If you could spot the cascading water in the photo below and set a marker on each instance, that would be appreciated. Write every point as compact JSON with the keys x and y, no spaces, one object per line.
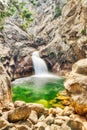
{"x":42,"y":87}
{"x":42,"y":76}
{"x":39,"y":64}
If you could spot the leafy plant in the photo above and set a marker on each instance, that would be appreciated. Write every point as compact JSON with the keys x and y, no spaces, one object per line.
{"x":51,"y":55}
{"x":19,"y":9}
{"x":34,"y":2}
{"x":83,"y":32}
{"x":57,"y":12}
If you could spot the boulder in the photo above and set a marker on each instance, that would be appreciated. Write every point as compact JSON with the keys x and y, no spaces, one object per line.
{"x":19,"y":113}
{"x":49,"y":120}
{"x":39,"y":108}
{"x":22,"y":127}
{"x":76,"y":86}
{"x":33,"y":117}
{"x":75,"y":125}
{"x":3,"y":123}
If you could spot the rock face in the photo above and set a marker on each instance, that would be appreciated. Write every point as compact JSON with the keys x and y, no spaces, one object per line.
{"x":17,"y":47}
{"x":5,"y":88}
{"x":76,"y":85}
{"x":67,"y":44}
{"x":59,"y":32}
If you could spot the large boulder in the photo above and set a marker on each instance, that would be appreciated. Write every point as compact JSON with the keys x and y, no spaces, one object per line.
{"x":5,"y":88}
{"x":19,"y":113}
{"x":76,"y":86}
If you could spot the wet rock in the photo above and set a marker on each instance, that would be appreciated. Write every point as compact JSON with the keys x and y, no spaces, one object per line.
{"x":19,"y":113}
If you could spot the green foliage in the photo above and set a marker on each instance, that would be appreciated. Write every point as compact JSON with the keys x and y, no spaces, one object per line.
{"x":30,"y":93}
{"x":2,"y":16}
{"x":51,"y":55}
{"x":34,"y":2}
{"x":57,"y":12}
{"x":1,"y":27}
{"x":19,"y":9}
{"x":10,"y":10}
{"x":83,"y":32}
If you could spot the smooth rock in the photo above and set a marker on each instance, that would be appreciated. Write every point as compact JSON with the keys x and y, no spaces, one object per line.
{"x":75,"y":125}
{"x":58,"y":122}
{"x":19,"y":103}
{"x":65,"y":127}
{"x":55,"y":127}
{"x":22,"y":127}
{"x":19,"y":113}
{"x":33,"y":117}
{"x":3,"y":123}
{"x":42,"y":118}
{"x":39,"y":108}
{"x":40,"y":125}
{"x":49,"y":120}
{"x":76,"y":86}
{"x":80,"y":67}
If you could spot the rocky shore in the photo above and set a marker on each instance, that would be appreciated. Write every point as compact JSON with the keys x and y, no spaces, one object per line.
{"x":30,"y":116}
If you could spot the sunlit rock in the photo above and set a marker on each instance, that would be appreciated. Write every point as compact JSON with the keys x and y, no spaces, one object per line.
{"x":33,"y":117}
{"x":5,"y":88}
{"x":76,"y":86}
{"x":3,"y":123}
{"x":19,"y":113}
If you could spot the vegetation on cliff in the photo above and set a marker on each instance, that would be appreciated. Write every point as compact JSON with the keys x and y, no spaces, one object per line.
{"x":19,"y":11}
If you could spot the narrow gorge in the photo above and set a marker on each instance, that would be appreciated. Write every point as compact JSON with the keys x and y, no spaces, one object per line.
{"x":43,"y":65}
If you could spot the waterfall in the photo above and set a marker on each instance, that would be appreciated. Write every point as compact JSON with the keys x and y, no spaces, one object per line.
{"x":39,"y":64}
{"x":41,"y":77}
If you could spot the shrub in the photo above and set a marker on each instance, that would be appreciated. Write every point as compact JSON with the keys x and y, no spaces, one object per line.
{"x":83,"y":32}
{"x":57,"y":12}
{"x":19,"y":9}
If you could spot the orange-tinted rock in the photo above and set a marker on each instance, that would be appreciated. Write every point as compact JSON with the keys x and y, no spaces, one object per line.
{"x":5,"y":88}
{"x":20,"y":113}
{"x":76,"y":86}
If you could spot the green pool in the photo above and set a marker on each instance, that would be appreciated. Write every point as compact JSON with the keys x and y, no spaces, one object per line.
{"x":37,"y":89}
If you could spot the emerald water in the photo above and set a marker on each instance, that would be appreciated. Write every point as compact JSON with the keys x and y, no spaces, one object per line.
{"x":41,"y":88}
{"x":37,"y":89}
